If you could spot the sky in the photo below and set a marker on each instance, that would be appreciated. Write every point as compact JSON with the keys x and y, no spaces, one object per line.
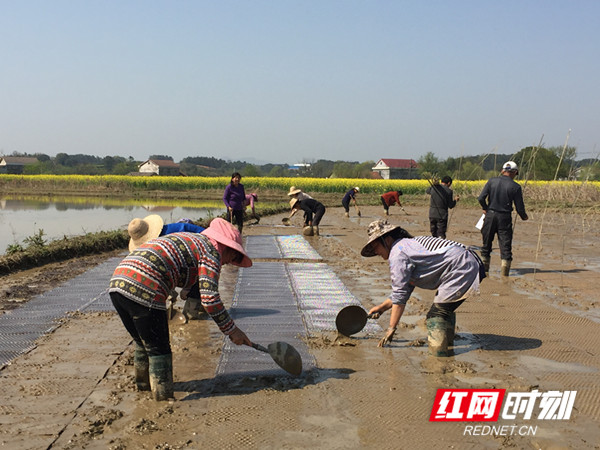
{"x":283,"y":81}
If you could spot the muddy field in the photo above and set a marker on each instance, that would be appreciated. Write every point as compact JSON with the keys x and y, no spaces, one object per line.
{"x":537,"y":330}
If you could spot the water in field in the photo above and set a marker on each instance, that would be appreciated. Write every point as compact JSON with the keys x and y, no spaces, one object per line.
{"x":21,"y":217}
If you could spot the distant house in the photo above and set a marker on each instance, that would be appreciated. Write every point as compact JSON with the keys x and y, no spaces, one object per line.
{"x":15,"y":164}
{"x":394,"y":169}
{"x":162,"y":167}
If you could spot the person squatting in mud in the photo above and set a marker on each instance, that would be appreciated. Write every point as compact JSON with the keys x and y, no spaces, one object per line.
{"x":313,"y":213}
{"x":142,"y":282}
{"x":426,"y":262}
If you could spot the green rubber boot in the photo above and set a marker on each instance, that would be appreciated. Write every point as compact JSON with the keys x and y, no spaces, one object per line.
{"x":505,"y":267}
{"x":141,"y":368}
{"x":161,"y":376}
{"x":451,"y":329}
{"x":437,"y":337}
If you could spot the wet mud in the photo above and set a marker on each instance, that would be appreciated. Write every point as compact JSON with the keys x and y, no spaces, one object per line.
{"x":537,"y":329}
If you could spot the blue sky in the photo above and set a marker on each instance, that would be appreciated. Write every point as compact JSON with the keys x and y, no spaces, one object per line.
{"x":296,"y":81}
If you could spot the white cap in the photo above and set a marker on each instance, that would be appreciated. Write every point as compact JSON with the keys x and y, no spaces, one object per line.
{"x":356,"y":189}
{"x":510,"y":166}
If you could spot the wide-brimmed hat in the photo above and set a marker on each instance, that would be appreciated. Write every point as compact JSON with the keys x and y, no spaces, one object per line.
{"x":357,"y":189}
{"x":510,"y":166}
{"x":294,"y":190}
{"x":142,"y":230}
{"x":225,"y":233}
{"x":377,"y":229}
{"x":293,"y":202}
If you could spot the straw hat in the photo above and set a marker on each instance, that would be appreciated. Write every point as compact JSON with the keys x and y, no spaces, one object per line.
{"x":294,"y":190}
{"x":293,"y":202}
{"x":225,"y":233}
{"x":142,"y":230}
{"x":377,"y":229}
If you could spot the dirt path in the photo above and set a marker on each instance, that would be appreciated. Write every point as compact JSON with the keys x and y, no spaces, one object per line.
{"x":538,"y":329}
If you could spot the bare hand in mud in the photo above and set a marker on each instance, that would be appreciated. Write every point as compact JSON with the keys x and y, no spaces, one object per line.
{"x":389,"y":334}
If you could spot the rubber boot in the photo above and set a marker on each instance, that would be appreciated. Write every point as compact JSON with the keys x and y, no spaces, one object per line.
{"x":505,"y":267}
{"x":347,"y":214}
{"x":387,"y":212}
{"x":486,"y":263}
{"x":451,"y":329}
{"x":437,"y":337}
{"x":316,"y":230}
{"x":141,"y":368}
{"x":308,"y":231}
{"x":161,"y":376}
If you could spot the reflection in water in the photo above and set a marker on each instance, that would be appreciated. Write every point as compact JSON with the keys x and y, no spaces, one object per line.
{"x":58,"y":217}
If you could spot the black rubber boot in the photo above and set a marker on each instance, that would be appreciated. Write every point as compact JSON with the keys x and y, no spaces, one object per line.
{"x":451,"y":329}
{"x":141,"y":368}
{"x":161,"y":376}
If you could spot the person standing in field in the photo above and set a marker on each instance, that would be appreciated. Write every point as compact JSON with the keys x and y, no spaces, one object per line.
{"x":497,"y":199}
{"x":234,"y":198}
{"x":442,"y":199}
{"x":389,"y":199}
{"x":350,"y":196}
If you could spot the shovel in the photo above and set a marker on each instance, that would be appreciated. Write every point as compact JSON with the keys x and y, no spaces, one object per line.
{"x":352,"y":319}
{"x":286,"y":356}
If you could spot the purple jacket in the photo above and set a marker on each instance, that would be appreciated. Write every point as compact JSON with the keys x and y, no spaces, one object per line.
{"x":234,"y":197}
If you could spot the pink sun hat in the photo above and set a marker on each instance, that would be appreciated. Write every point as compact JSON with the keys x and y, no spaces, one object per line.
{"x":225,"y":233}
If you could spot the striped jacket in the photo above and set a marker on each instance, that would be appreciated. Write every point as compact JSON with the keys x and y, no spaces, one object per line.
{"x":432,"y":263}
{"x":149,"y":273}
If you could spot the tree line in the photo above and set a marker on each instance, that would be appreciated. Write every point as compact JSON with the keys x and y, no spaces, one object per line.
{"x":535,"y":163}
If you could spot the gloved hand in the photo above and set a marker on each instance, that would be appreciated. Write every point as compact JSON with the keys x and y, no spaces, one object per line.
{"x":389,"y":334}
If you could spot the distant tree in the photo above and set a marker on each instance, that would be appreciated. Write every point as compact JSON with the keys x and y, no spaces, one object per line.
{"x":430,"y":166}
{"x":322,"y":168}
{"x":538,"y":163}
{"x":164,"y":157}
{"x":251,"y":171}
{"x":278,"y":172}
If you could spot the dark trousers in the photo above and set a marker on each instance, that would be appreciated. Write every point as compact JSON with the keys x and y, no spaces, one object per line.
{"x":385,"y":205}
{"x":438,"y":227}
{"x":318,"y":215}
{"x":238,"y":215}
{"x":443,"y":310}
{"x":500,"y":224}
{"x":147,"y":326}
{"x":346,"y":205}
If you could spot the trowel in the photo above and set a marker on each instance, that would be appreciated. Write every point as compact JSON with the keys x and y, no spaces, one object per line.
{"x":352,"y":319}
{"x":286,"y":356}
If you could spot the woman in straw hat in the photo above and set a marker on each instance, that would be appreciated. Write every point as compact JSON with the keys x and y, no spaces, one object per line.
{"x":297,"y":193}
{"x":447,"y":267}
{"x":142,"y":282}
{"x":313,"y":213}
{"x":152,"y":226}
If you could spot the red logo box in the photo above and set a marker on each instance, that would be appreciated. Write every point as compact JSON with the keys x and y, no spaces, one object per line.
{"x":467,"y":405}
